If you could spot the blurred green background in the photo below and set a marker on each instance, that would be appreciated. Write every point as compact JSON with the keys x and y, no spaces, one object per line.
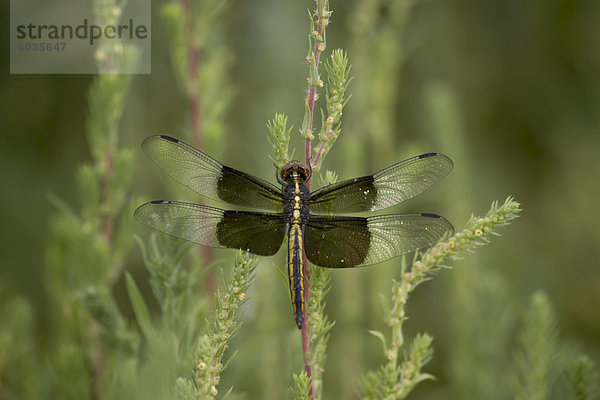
{"x":509,"y":90}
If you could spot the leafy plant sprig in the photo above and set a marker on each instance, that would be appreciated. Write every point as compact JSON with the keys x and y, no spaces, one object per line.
{"x":582,"y":379}
{"x":395,"y":380}
{"x":338,"y":78}
{"x":212,"y":346}
{"x":88,"y":243}
{"x":279,"y":137}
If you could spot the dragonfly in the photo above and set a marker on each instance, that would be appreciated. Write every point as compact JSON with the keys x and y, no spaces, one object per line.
{"x":308,"y":219}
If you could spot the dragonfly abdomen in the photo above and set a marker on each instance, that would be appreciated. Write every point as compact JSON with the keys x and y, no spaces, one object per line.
{"x":296,"y":271}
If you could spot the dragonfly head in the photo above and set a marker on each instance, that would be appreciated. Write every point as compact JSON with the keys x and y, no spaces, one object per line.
{"x":302,"y":172}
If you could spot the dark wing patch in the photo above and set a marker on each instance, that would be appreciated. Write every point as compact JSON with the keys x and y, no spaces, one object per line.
{"x":209,"y":177}
{"x":347,"y":242}
{"x":258,"y":233}
{"x":337,"y":242}
{"x":383,"y":189}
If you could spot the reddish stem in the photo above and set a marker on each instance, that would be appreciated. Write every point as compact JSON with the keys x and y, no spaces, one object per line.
{"x":304,"y":331}
{"x":318,"y":154}
{"x":311,"y":102}
{"x":194,"y":98}
{"x":311,"y":95}
{"x":311,"y":105}
{"x":195,"y":106}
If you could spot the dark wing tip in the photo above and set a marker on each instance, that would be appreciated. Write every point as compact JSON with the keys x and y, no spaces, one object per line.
{"x":427,"y":155}
{"x":153,"y":138}
{"x":430,"y":215}
{"x":169,"y":138}
{"x":159,"y":202}
{"x":447,"y":159}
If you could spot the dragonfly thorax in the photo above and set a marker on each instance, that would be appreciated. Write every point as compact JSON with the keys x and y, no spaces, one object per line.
{"x":295,"y":170}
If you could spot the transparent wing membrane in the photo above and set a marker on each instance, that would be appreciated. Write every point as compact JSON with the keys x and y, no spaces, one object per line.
{"x":210,"y":178}
{"x":383,"y":189}
{"x":258,"y":233}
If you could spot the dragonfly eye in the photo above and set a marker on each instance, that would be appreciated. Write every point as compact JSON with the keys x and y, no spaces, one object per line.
{"x":305,"y":175}
{"x":285,"y":172}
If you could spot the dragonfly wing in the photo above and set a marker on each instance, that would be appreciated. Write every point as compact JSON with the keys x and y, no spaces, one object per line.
{"x":347,"y":242}
{"x":383,"y":189}
{"x":209,"y":177}
{"x":257,"y":233}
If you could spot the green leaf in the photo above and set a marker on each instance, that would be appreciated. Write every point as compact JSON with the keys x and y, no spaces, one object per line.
{"x":139,"y":306}
{"x":304,"y":131}
{"x":302,"y":386}
{"x":381,"y":337}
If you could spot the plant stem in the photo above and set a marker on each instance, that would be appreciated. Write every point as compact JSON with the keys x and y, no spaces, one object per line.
{"x":311,"y":107}
{"x":318,"y":154}
{"x":304,"y":331}
{"x":192,"y":64}
{"x":322,"y":13}
{"x":312,"y":91}
{"x":195,"y":108}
